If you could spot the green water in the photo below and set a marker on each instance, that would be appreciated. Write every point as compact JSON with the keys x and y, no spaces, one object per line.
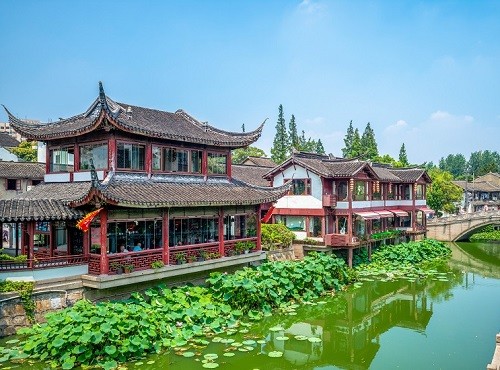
{"x":446,"y":323}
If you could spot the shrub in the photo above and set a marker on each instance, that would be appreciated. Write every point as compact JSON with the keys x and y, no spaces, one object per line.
{"x":276,"y":236}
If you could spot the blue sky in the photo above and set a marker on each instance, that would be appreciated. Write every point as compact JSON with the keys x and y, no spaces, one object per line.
{"x":425,"y":73}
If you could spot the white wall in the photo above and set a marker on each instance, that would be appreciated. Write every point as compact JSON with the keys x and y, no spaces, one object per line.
{"x":300,"y":173}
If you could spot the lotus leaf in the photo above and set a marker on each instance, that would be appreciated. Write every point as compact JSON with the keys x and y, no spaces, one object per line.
{"x":275,"y":354}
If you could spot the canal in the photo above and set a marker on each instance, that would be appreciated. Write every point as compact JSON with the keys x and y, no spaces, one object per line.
{"x":445,"y":322}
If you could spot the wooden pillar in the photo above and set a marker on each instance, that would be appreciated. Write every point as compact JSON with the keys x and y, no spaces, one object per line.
{"x":103,"y":219}
{"x":16,"y":237}
{"x":86,"y":243}
{"x":31,"y":243}
{"x":221,"y":231}
{"x":112,"y":153}
{"x":165,"y":254}
{"x":228,"y":165}
{"x":259,"y":228}
{"x":349,"y":256}
{"x":51,"y":239}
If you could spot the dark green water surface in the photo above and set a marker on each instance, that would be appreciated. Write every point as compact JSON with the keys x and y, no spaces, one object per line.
{"x":445,"y":323}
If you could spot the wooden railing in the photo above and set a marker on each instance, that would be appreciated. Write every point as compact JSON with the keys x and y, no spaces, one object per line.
{"x":43,"y":263}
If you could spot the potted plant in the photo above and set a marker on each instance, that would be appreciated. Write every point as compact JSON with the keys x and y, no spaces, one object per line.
{"x":95,"y":248}
{"x":128,"y":268}
{"x":239,"y":247}
{"x":204,"y":255}
{"x":180,"y":258}
{"x":157,"y":264}
{"x":116,"y":267}
{"x":191,"y":258}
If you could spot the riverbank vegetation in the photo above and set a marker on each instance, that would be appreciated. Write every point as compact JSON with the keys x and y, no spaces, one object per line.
{"x":486,"y":234}
{"x":109,"y":333}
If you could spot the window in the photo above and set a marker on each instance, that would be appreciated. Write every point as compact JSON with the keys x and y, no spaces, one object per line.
{"x":13,"y":184}
{"x":240,"y":226}
{"x":187,"y":231}
{"x":294,"y":223}
{"x":342,"y":190}
{"x":176,"y":160}
{"x":131,"y":156}
{"x":97,"y":152}
{"x":62,"y":159}
{"x":300,"y":187}
{"x":130,"y":233}
{"x":419,"y":191}
{"x":217,"y":163}
{"x":359,"y":190}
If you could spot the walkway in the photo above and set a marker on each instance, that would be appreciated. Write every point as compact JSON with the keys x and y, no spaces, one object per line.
{"x":458,"y":227}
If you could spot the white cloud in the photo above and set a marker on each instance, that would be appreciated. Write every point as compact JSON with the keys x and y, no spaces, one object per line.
{"x":317,"y":121}
{"x":445,"y":117}
{"x":310,"y":7}
{"x":399,"y":125}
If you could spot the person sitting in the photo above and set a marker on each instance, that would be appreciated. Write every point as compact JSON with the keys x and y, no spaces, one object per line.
{"x":137,"y":247}
{"x":123,"y":249}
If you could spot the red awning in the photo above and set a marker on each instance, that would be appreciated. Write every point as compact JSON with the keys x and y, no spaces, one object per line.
{"x":385,"y":214}
{"x":368,"y":215}
{"x":399,"y":212}
{"x":426,"y":210}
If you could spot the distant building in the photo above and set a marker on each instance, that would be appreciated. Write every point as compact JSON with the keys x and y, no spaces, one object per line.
{"x":19,"y":177}
{"x":481,"y":194}
{"x":259,"y":162}
{"x":7,"y":143}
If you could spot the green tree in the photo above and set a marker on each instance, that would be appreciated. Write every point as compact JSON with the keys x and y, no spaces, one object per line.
{"x":456,"y":164}
{"x":240,"y":154}
{"x":25,"y":151}
{"x":356,"y":149}
{"x":403,"y":158}
{"x":293,"y":136}
{"x":369,"y":149}
{"x":387,"y":159}
{"x":280,"y":146}
{"x":319,"y":147}
{"x":348,"y":140}
{"x":442,"y":194}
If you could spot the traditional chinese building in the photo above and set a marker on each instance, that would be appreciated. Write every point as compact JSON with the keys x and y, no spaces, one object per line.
{"x":348,"y":203}
{"x":162,"y":182}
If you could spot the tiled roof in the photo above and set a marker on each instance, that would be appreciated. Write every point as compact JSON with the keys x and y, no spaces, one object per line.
{"x":259,"y":161}
{"x":178,"y":126}
{"x":250,"y":174}
{"x":66,"y":192}
{"x":18,"y":209}
{"x":408,"y":174}
{"x":486,"y":187}
{"x":22,"y":170}
{"x":329,"y":167}
{"x":7,"y":141}
{"x":181,"y":191}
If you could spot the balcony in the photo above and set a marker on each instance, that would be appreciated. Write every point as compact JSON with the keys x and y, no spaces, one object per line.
{"x":340,"y":240}
{"x":329,"y":200}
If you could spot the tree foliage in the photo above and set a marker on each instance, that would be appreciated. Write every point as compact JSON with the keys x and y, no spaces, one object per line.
{"x":369,"y":148}
{"x":280,"y":148}
{"x":348,"y":140}
{"x":442,"y":194}
{"x":240,"y":154}
{"x":456,"y":164}
{"x":25,"y":151}
{"x":293,"y":136}
{"x":403,"y":158}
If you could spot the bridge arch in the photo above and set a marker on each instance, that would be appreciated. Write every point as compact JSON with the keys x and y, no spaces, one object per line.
{"x":460,"y":227}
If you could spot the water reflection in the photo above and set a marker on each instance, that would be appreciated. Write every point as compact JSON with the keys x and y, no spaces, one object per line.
{"x":481,"y":258}
{"x":351,"y":323}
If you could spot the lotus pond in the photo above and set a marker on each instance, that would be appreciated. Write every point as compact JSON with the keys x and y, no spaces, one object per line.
{"x":447,"y":320}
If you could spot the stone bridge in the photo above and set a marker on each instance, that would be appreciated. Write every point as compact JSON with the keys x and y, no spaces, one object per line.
{"x":460,"y":227}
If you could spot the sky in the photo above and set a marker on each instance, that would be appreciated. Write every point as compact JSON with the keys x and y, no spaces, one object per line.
{"x":423,"y":73}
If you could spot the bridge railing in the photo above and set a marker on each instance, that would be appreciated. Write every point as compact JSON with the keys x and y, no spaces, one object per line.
{"x":465,"y":216}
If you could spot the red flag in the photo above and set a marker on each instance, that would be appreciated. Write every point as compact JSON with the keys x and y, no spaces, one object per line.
{"x":84,"y":223}
{"x":268,"y":215}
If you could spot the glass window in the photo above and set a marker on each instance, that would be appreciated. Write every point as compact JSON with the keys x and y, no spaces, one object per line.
{"x":359,"y":190}
{"x":13,"y":184}
{"x":342,"y":190}
{"x":131,"y":156}
{"x":217,"y":163}
{"x":301,"y":187}
{"x":156,"y":158}
{"x":97,"y":152}
{"x":420,"y":191}
{"x":187,"y":231}
{"x":130,"y":233}
{"x":294,"y":223}
{"x":62,"y":159}
{"x":196,"y":156}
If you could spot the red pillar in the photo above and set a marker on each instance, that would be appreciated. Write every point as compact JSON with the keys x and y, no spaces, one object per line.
{"x":86,"y":243}
{"x":165,"y":254}
{"x":104,"y":265}
{"x":221,"y":231}
{"x":259,"y":228}
{"x":31,"y":241}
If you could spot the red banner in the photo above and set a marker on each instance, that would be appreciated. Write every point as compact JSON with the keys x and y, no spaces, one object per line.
{"x":268,"y":215}
{"x":84,"y":223}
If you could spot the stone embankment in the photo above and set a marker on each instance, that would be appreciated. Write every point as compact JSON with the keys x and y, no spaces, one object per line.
{"x":495,"y":362}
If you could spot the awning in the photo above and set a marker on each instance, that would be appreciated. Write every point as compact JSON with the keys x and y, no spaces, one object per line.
{"x":426,"y":210}
{"x":385,"y":214}
{"x":368,"y":215}
{"x":399,"y":212}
